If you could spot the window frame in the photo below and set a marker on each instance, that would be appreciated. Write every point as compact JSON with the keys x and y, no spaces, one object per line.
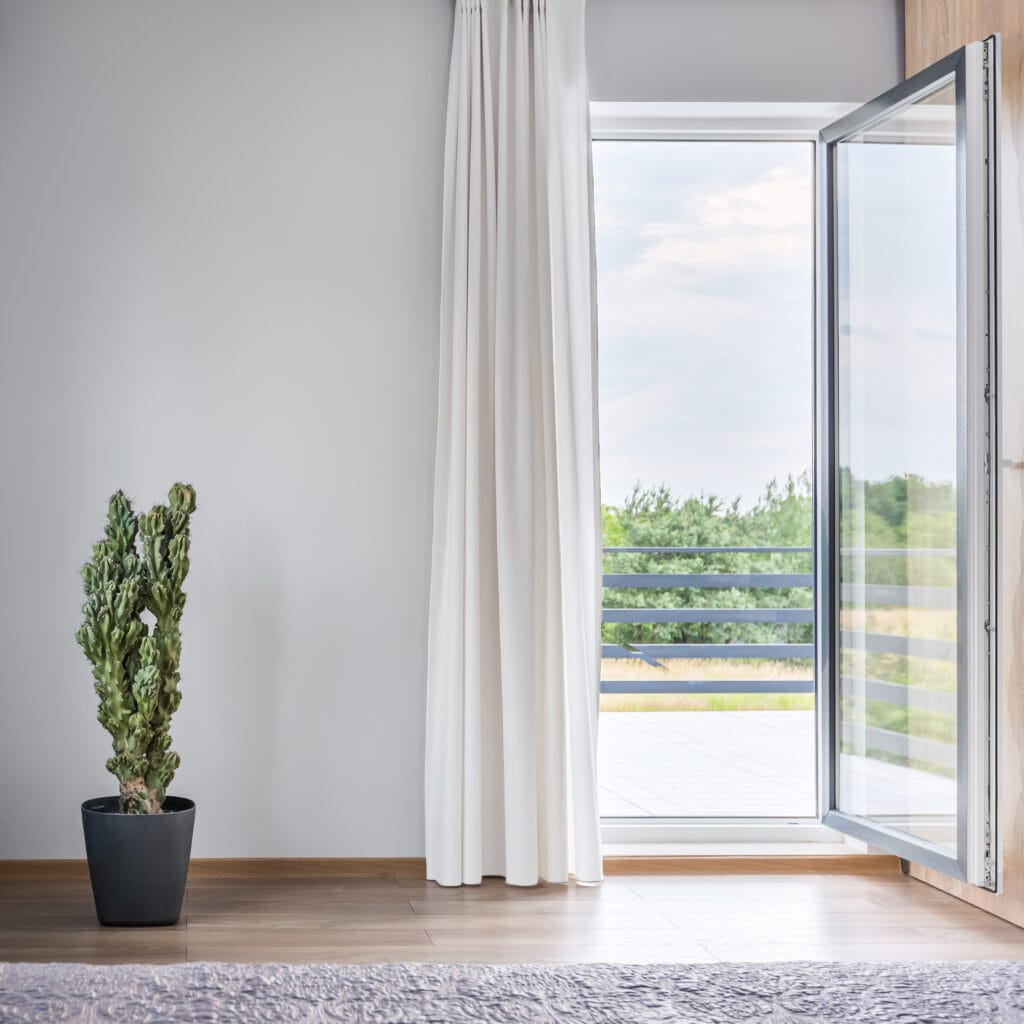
{"x":729,"y":122}
{"x":977,"y":860}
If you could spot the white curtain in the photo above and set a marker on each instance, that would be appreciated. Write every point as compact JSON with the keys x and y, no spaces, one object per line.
{"x":515,"y":596}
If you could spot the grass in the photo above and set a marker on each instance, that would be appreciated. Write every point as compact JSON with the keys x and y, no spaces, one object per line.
{"x":706,"y":668}
{"x":925,"y":623}
{"x":932,"y":725}
{"x":931,"y":623}
{"x":707,"y":701}
{"x":906,"y":762}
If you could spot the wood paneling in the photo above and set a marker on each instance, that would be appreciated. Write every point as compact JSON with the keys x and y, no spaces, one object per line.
{"x":639,"y":918}
{"x":934,"y":28}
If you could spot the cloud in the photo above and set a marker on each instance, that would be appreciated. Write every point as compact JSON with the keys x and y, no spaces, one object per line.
{"x":705,"y":259}
{"x":705,"y":291}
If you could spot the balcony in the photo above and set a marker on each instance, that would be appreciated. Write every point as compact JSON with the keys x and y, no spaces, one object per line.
{"x":708,"y":683}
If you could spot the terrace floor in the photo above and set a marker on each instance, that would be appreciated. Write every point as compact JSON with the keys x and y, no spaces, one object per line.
{"x":760,"y":764}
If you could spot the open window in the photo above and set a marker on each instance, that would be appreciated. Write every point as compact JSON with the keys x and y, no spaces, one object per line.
{"x":905,"y":513}
{"x":728,"y":629}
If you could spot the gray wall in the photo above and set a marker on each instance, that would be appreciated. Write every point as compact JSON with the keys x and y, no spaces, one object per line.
{"x":766,"y":50}
{"x":219,"y":234}
{"x":219,"y":231}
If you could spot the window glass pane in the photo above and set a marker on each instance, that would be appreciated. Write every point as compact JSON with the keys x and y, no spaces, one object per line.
{"x":897,"y":455}
{"x":705,"y":294}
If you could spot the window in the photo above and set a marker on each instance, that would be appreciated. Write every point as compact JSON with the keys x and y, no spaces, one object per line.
{"x":909,"y":505}
{"x":706,"y":254}
{"x":716,"y":654}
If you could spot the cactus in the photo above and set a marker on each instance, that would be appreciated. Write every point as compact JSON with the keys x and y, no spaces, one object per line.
{"x":136,"y":671}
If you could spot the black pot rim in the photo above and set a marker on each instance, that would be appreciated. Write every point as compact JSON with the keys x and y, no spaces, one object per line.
{"x":112,"y":805}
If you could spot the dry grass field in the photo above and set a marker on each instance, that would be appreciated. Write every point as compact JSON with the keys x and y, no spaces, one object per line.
{"x":925,"y":623}
{"x":705,"y":668}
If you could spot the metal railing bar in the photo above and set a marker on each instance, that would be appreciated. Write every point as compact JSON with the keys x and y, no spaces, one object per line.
{"x":769,"y":651}
{"x":706,"y":551}
{"x":708,"y":686}
{"x":898,"y":596}
{"x":802,"y":616}
{"x":907,"y":646}
{"x":708,"y":580}
{"x":900,"y":552}
{"x":713,"y":550}
{"x":919,"y":697}
{"x":901,"y":744}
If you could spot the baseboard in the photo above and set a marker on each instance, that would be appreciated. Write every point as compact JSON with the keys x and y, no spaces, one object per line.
{"x":415,"y":867}
{"x":308,"y":867}
{"x":238,"y":867}
{"x":43,"y":870}
{"x":740,"y":864}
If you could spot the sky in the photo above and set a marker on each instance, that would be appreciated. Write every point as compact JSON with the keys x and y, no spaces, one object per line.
{"x":897,"y":311}
{"x":705,"y":257}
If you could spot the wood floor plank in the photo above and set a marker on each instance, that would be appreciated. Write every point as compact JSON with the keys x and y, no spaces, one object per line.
{"x":321,"y":919}
{"x":97,"y":937}
{"x":871,"y":953}
{"x":1001,"y":931}
{"x":571,"y":893}
{"x":100,"y":946}
{"x":565,"y":953}
{"x":823,"y":934}
{"x":386,"y":885}
{"x":341,"y":938}
{"x":305,"y":954}
{"x":561,"y":924}
{"x":646,"y":918}
{"x":750,"y":918}
{"x":78,"y":955}
{"x":536,"y":909}
{"x":636,"y":938}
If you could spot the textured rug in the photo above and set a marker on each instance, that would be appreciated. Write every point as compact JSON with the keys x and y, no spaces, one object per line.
{"x":861,"y":993}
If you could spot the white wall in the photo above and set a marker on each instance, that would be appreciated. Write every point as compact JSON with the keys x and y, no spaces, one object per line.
{"x":219,"y":231}
{"x":219,"y":235}
{"x":768,"y":50}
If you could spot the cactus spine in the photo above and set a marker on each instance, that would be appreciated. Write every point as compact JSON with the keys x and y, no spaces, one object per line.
{"x":136,"y":671}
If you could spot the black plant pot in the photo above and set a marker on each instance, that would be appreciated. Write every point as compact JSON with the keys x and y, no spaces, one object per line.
{"x":138,"y":863}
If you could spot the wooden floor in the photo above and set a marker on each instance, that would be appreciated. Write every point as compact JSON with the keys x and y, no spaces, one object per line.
{"x":694,"y":917}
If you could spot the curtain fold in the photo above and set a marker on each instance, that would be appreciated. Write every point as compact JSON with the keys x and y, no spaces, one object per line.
{"x":514,"y":649}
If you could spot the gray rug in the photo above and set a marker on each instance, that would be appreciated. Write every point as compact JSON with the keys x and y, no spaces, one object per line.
{"x":862,"y":993}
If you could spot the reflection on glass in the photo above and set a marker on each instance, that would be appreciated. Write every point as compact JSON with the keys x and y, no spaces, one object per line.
{"x":896,"y":427}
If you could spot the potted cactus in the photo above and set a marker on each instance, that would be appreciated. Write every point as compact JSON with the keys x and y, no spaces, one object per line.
{"x":138,"y":842}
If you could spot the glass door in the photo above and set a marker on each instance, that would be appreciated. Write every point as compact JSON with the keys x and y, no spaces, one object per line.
{"x":906,"y":525}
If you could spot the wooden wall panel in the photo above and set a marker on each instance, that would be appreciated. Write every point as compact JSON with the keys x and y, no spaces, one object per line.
{"x":934,"y":28}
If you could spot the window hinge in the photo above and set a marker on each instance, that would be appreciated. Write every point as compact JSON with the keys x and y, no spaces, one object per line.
{"x":988,"y":861}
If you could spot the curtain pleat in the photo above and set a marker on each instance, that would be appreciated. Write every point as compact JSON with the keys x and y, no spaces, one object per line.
{"x":514,"y":649}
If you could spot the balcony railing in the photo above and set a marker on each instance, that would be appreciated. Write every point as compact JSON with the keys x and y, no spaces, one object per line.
{"x":900,"y":695}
